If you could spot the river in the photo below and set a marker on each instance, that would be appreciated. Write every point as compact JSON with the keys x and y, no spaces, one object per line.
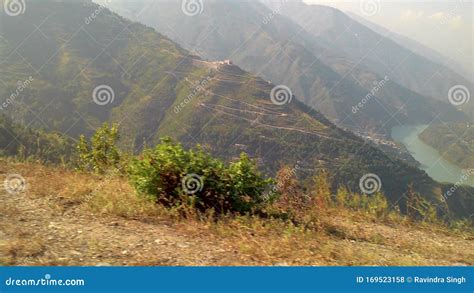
{"x":437,"y":168}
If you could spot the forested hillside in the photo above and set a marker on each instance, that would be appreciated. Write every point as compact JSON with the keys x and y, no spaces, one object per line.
{"x":454,"y":141}
{"x":268,"y":42}
{"x":93,"y":66}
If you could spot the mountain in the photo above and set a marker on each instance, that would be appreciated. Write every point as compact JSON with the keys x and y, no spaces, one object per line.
{"x":70,"y":66}
{"x":418,"y":48}
{"x":454,"y":141}
{"x":23,"y":142}
{"x":346,"y":37}
{"x":275,"y":47}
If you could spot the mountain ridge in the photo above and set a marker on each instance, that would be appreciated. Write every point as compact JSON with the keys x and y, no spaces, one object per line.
{"x":386,"y":56}
{"x":149,"y":77}
{"x":415,"y":46}
{"x":281,"y":51}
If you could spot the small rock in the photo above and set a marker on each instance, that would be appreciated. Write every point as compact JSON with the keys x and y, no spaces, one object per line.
{"x":182,"y":245}
{"x":103,"y":264}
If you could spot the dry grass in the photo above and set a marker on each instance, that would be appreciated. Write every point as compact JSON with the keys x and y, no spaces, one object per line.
{"x":69,"y":218}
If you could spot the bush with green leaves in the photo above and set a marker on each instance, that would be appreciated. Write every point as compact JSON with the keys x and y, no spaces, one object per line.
{"x":175,"y":176}
{"x":34,"y":145}
{"x":419,"y":208}
{"x":101,"y":152}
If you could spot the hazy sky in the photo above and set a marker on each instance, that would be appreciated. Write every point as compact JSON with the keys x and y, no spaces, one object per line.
{"x":444,"y":25}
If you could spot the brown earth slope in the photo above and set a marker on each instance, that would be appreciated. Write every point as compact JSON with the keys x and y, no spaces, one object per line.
{"x":67,"y":218}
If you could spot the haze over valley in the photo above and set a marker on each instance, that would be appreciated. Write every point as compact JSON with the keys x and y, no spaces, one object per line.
{"x":278,"y":111}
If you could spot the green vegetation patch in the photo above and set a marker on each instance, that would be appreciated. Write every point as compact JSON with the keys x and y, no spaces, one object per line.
{"x":454,"y":141}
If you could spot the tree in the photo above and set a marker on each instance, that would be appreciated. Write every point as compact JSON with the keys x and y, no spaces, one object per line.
{"x":322,"y":196}
{"x":418,"y":207}
{"x":101,"y":152}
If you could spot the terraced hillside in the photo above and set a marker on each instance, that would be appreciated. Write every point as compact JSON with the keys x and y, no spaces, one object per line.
{"x":89,"y":65}
{"x":344,"y":87}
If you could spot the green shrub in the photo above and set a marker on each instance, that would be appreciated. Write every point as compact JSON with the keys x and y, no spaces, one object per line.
{"x":322,"y":191}
{"x":33,"y":145}
{"x":100,"y":153}
{"x":176,"y":176}
{"x":377,"y":205}
{"x":419,"y":208}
